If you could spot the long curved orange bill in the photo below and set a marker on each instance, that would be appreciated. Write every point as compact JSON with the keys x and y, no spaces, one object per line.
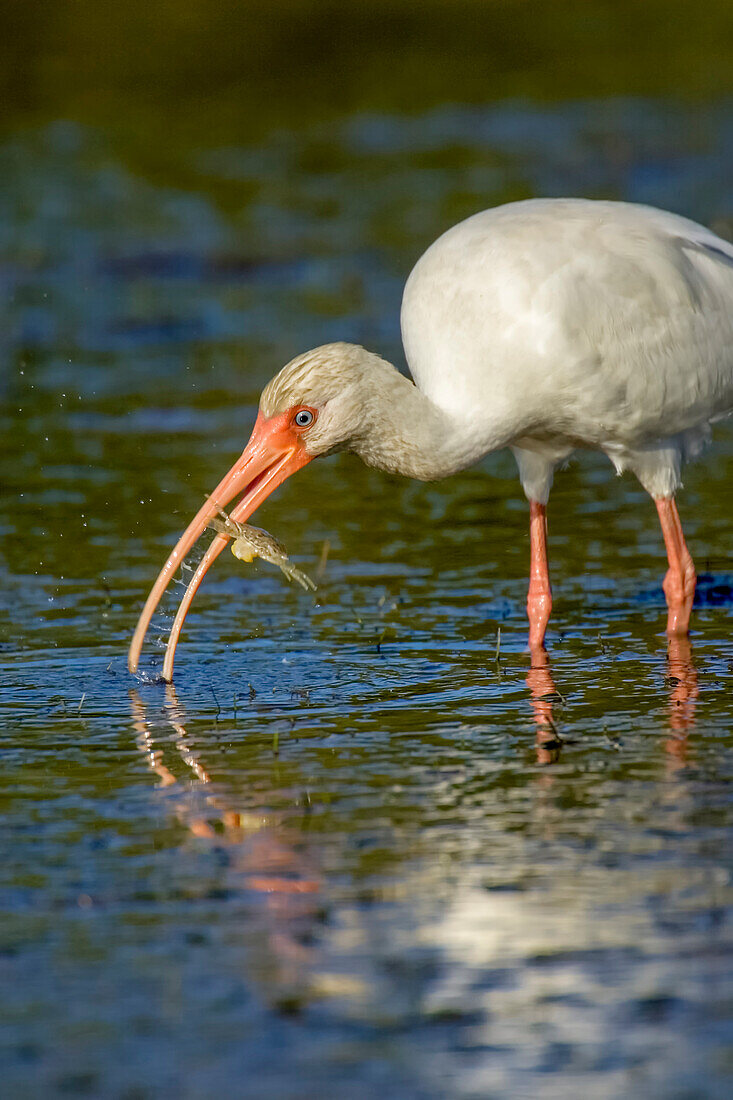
{"x":273,"y":453}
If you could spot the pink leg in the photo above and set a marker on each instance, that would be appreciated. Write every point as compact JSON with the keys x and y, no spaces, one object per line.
{"x":539,"y":597}
{"x":679,"y":583}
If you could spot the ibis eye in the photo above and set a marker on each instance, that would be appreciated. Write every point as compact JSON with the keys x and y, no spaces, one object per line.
{"x":304,"y":418}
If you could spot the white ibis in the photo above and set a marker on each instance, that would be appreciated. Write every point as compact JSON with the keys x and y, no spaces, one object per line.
{"x":544,"y":326}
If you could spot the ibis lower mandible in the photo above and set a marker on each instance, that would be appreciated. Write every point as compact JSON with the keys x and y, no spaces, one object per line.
{"x":544,"y":326}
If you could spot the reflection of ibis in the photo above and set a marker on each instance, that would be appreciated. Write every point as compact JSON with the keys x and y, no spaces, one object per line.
{"x":543,"y":326}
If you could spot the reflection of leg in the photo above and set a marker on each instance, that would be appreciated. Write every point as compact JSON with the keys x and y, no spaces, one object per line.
{"x":539,"y":597}
{"x":542,"y":688}
{"x":682,"y":679}
{"x":679,"y":583}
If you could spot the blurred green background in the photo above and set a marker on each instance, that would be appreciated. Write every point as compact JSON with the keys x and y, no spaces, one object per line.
{"x":160,"y":75}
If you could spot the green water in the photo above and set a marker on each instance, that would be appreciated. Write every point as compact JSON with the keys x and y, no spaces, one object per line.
{"x":355,"y":853}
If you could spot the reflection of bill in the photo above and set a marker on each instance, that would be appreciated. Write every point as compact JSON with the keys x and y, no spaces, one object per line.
{"x":267,"y":856}
{"x":681,"y":678}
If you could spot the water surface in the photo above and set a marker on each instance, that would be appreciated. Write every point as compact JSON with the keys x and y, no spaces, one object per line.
{"x":360,"y":849}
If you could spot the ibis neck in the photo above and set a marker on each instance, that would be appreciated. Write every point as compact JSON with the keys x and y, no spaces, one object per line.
{"x":407,"y":433}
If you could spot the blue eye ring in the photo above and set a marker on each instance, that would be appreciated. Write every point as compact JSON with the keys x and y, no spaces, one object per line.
{"x":303,"y":418}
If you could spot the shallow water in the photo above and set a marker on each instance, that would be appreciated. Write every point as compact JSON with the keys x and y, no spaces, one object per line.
{"x":362,"y":848}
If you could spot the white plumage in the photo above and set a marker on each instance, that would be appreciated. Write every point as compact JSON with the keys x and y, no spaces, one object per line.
{"x":544,"y":326}
{"x":563,"y":323}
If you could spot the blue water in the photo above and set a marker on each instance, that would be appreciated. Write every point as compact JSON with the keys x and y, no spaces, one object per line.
{"x":355,"y":853}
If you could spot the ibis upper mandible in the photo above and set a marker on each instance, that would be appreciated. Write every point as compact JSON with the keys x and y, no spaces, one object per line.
{"x":544,"y":326}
